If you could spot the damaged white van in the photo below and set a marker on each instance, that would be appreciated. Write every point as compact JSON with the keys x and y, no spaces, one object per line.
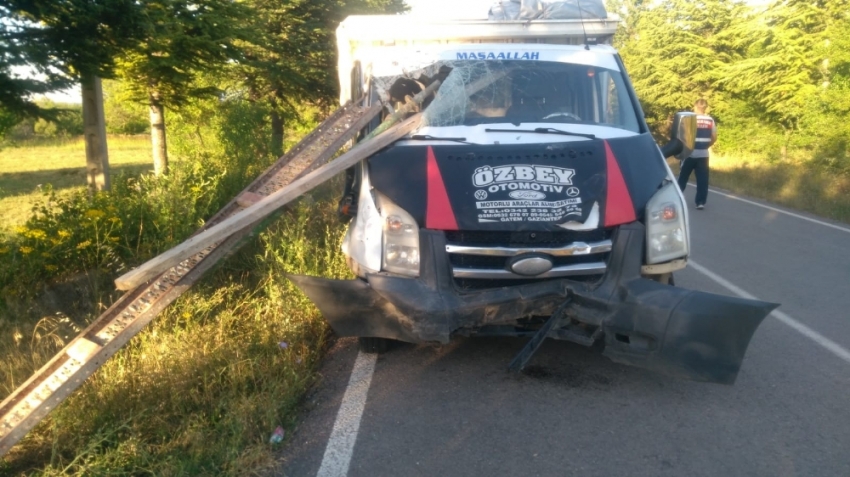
{"x":533,"y":201}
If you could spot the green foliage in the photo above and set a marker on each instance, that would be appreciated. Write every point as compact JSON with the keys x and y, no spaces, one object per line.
{"x":182,"y":40}
{"x":783,"y":53}
{"x":224,"y":365}
{"x":63,"y":41}
{"x":108,"y":232}
{"x":68,"y":122}
{"x":221,"y":147}
{"x":8,"y":120}
{"x":292,"y":59}
{"x":674,"y":52}
{"x":123,"y":116}
{"x":59,"y":121}
{"x":776,"y":78}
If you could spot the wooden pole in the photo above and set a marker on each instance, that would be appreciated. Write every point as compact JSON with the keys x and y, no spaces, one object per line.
{"x":94,"y":129}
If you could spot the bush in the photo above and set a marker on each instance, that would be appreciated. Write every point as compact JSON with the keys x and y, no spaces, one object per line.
{"x":219,"y":148}
{"x":123,"y":116}
{"x":8,"y":120}
{"x":107,"y":232}
{"x":201,"y":388}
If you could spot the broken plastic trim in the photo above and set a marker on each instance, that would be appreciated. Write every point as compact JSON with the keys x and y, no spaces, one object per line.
{"x":671,"y":330}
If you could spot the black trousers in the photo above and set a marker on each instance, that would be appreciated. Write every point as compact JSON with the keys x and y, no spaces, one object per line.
{"x":700,"y":165}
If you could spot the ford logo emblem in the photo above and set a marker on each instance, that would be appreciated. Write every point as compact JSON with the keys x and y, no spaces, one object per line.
{"x":527,"y":194}
{"x":530,"y":265}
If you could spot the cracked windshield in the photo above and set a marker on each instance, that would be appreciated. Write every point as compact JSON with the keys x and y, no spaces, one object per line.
{"x":486,"y":92}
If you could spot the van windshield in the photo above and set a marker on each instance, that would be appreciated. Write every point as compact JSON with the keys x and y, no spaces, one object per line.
{"x":481,"y":92}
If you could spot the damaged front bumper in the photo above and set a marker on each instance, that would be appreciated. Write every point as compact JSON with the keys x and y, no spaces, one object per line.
{"x":680,"y":332}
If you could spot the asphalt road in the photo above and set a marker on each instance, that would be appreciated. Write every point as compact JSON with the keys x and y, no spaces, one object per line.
{"x":456,"y":411}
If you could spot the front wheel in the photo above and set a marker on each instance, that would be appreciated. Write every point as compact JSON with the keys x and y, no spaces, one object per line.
{"x":369,"y":344}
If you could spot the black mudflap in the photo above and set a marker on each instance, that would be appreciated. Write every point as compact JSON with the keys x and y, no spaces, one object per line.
{"x":684,"y":333}
{"x":352,"y":308}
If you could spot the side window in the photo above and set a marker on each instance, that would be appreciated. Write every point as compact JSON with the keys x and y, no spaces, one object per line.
{"x":614,"y":102}
{"x":610,"y":100}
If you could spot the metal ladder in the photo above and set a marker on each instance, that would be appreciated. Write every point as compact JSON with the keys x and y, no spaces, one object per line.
{"x":64,"y":373}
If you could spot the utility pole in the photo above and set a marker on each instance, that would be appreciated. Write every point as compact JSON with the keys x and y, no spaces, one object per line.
{"x":97,"y":157}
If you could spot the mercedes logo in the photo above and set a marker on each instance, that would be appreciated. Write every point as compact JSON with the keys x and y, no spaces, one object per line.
{"x":573,"y":191}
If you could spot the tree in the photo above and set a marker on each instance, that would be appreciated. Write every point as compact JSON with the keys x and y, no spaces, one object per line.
{"x":293,"y":59}
{"x":63,"y":41}
{"x":676,"y":52}
{"x":786,"y":61}
{"x":184,"y":38}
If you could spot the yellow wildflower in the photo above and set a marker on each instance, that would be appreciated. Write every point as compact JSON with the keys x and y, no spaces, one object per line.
{"x":83,"y":244}
{"x":37,"y":234}
{"x":64,"y":233}
{"x":94,"y":214}
{"x":25,"y":250}
{"x":51,"y":268}
{"x":4,"y":249}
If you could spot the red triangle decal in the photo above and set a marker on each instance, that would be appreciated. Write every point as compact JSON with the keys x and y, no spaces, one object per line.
{"x":438,"y":214}
{"x":619,"y":208}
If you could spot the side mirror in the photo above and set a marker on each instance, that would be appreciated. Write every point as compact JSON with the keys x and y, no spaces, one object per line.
{"x":683,"y":136}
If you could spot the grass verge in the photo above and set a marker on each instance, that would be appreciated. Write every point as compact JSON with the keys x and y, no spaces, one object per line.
{"x":29,"y":166}
{"x":796,"y":184}
{"x":200,"y":390}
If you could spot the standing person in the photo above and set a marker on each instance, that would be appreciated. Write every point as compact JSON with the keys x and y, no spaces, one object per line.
{"x":698,"y":160}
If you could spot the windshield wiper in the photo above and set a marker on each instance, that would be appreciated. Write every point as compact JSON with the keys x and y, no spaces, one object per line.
{"x":426,"y":137}
{"x":544,"y":131}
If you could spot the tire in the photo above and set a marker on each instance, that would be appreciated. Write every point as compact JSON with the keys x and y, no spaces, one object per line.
{"x":374,"y":345}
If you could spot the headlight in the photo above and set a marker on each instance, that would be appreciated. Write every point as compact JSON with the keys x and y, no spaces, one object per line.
{"x":401,"y":238}
{"x":666,"y":232}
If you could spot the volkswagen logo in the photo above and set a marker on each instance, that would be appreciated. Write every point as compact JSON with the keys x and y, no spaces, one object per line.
{"x":480,"y":194}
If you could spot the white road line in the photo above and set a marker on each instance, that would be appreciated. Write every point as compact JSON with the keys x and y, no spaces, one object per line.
{"x":341,"y":443}
{"x":792,"y":214}
{"x":804,"y":330}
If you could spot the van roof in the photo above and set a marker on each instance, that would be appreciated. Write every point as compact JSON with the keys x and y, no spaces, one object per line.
{"x":407,"y":29}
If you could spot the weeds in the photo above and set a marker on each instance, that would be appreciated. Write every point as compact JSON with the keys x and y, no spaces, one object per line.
{"x":107,"y":232}
{"x":31,"y":166}
{"x":199,"y":391}
{"x":813,"y":185}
